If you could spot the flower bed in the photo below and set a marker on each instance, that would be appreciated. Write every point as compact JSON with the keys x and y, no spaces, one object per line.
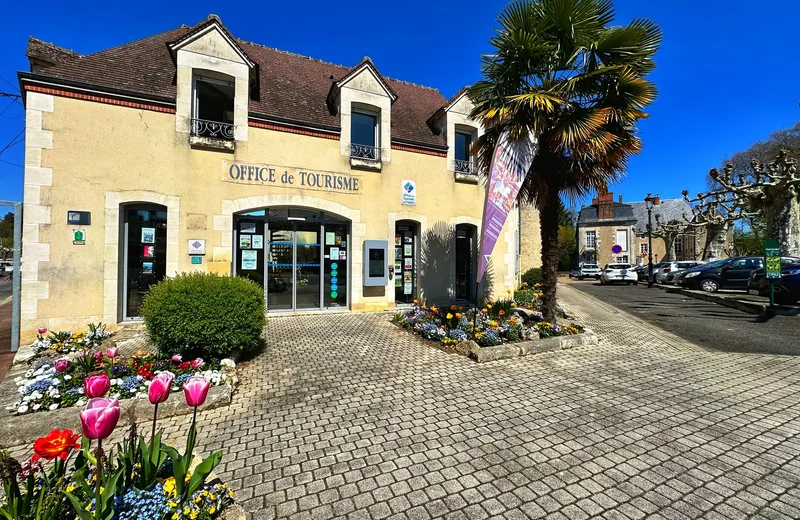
{"x":139,"y":478}
{"x":500,"y":322}
{"x":85,"y":373}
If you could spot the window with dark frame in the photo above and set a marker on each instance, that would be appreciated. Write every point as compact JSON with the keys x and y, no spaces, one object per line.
{"x":213,"y":108}
{"x":364,"y":136}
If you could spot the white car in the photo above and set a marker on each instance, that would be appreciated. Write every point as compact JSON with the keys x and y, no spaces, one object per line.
{"x":588,"y":270}
{"x":619,"y":273}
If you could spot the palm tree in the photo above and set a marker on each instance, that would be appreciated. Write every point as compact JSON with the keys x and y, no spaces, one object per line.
{"x":560,"y":72}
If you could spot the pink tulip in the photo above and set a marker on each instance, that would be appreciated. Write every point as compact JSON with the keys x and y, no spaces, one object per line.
{"x":160,"y":387}
{"x":96,"y":385}
{"x":98,"y":356}
{"x":99,"y":418}
{"x":112,"y":352}
{"x":197,"y":363}
{"x":61,"y":365}
{"x":177,"y":358}
{"x":196,"y":390}
{"x":42,"y":331}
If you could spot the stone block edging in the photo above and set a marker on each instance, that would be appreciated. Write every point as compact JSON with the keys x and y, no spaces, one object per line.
{"x":527,"y":348}
{"x":17,"y":430}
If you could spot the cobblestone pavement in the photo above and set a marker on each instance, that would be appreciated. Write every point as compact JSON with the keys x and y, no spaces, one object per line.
{"x":347,"y":416}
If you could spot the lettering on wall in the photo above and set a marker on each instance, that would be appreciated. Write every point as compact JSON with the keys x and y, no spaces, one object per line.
{"x":262,"y":174}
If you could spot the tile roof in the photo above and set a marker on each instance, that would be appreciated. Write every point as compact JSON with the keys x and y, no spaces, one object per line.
{"x":622,"y":213}
{"x":292,"y":87}
{"x":668,"y":209}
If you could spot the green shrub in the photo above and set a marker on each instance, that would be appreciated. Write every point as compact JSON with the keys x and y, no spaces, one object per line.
{"x":532,"y":276}
{"x":202,"y":314}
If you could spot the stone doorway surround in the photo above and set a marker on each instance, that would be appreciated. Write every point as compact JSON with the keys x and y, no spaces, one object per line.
{"x":223,"y":223}
{"x":115,"y":199}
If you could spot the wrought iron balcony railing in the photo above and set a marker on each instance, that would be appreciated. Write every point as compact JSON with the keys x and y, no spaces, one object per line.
{"x":213,"y":129}
{"x":365,"y":152}
{"x":466,"y":167}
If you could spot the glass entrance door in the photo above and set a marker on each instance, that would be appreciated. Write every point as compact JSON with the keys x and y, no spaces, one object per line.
{"x":405,"y":263}
{"x":307,"y":265}
{"x":144,"y":254}
{"x":280,"y":267}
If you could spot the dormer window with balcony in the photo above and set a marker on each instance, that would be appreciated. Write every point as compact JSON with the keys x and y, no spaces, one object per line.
{"x":365,"y":136}
{"x":212,"y":116}
{"x":462,"y":159}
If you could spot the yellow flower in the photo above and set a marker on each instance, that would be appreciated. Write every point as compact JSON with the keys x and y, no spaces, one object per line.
{"x":212,"y":510}
{"x":230,"y":493}
{"x":449,"y":316}
{"x":193,"y":515}
{"x":173,"y":505}
{"x":513,"y":304}
{"x":489,"y":306}
{"x":70,"y":488}
{"x":434,"y":309}
{"x":458,"y":315}
{"x":212,"y":496}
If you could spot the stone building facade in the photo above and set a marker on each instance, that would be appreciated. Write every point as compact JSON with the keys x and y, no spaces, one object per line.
{"x":192,"y":150}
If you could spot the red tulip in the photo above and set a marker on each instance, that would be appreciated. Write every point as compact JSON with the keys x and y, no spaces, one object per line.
{"x":112,"y":352}
{"x":61,"y":365}
{"x":58,"y":444}
{"x":197,"y":363}
{"x":98,"y":356}
{"x":160,"y":387}
{"x":96,"y":385}
{"x":177,"y":358}
{"x":42,"y":331}
{"x":99,"y":418}
{"x":196,"y":390}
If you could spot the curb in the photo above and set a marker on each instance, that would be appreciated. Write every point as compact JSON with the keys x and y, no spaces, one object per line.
{"x":527,"y":348}
{"x":748,"y":306}
{"x":16,"y":430}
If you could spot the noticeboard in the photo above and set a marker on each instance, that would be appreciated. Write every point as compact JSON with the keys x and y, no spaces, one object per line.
{"x":772,"y":259}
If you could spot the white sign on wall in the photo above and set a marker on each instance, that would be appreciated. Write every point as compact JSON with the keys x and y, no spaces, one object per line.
{"x":409,"y":193}
{"x":197,"y":247}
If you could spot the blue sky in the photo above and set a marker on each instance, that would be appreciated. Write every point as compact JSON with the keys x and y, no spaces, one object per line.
{"x":725,"y":69}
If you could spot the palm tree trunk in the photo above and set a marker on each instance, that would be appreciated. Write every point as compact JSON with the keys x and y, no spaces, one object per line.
{"x":548,"y":219}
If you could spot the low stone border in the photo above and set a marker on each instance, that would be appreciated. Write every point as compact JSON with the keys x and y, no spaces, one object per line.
{"x":524,"y":348}
{"x":732,"y":301}
{"x":16,"y":430}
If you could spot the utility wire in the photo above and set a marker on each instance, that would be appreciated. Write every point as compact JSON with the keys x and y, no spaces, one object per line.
{"x":15,"y":140}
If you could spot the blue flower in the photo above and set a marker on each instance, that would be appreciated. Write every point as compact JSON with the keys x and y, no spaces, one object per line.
{"x":458,"y":334}
{"x":141,"y":505}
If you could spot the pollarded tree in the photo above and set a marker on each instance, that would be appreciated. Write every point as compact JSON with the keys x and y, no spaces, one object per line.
{"x":561,"y":72}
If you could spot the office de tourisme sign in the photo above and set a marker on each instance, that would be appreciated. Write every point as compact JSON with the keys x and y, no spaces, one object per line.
{"x":289,"y":177}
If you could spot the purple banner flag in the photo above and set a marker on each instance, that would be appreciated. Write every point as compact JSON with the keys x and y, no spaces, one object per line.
{"x":510,"y":165}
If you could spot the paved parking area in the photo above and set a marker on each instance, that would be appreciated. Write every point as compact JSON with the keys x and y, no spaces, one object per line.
{"x":707,"y":324}
{"x":347,"y":416}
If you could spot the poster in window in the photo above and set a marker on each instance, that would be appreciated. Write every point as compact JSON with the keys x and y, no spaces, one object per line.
{"x":398,"y":265}
{"x":408,"y":262}
{"x":147,"y":267}
{"x":247,"y":227}
{"x":148,"y":251}
{"x":148,"y":235}
{"x":398,"y":240}
{"x":408,"y":239}
{"x":407,"y":288}
{"x":398,"y":282}
{"x":342,"y":254}
{"x":330,"y":237}
{"x":343,"y":244}
{"x":398,"y":252}
{"x":408,"y":250}
{"x":334,"y":252}
{"x":249,"y":260}
{"x":407,"y":276}
{"x":338,"y":240}
{"x":258,"y":242}
{"x":245,"y":241}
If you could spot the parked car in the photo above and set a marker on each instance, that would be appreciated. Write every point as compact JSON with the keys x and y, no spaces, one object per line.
{"x":787,"y":289}
{"x":729,"y":273}
{"x":618,"y":273}
{"x":575,"y":272}
{"x":667,"y":274}
{"x":588,"y":270}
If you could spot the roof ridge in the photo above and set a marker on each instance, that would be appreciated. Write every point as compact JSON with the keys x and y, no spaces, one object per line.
{"x":133,"y":41}
{"x":411,"y":83}
{"x":56,"y":47}
{"x":290,"y":53}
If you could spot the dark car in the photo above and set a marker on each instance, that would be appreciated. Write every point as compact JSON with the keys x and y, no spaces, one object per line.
{"x":787,"y":289}
{"x":730,"y":273}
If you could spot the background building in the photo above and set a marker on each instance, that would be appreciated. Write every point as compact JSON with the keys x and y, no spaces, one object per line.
{"x":601,"y":226}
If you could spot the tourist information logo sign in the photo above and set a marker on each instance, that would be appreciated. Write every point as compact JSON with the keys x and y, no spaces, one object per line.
{"x":772,"y":259}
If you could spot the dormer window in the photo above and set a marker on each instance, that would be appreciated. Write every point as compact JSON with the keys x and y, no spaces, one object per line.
{"x":365,"y":136}
{"x":212,"y":114}
{"x":463,"y":160}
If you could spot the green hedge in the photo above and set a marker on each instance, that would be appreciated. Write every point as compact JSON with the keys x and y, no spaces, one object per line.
{"x":202,"y":314}
{"x":532,"y":276}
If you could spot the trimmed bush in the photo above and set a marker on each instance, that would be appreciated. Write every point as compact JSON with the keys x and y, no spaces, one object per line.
{"x":201,"y":314}
{"x":532,"y":276}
